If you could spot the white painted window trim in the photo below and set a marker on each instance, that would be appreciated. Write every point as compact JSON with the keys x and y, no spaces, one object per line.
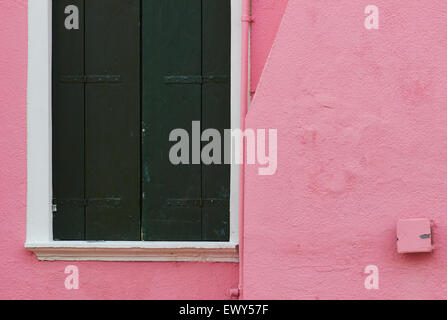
{"x":39,"y":235}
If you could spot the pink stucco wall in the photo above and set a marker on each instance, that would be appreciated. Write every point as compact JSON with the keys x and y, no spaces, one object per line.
{"x":362,"y":141}
{"x":267,"y":15}
{"x":361,"y":133}
{"x":21,"y":275}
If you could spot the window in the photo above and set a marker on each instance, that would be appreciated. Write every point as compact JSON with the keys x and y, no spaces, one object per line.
{"x":122,"y":80}
{"x":112,"y":178}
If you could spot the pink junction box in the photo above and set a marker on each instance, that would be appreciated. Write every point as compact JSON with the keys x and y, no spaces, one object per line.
{"x":414,"y":235}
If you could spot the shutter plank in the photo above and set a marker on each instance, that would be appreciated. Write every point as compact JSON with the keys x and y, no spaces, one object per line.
{"x":68,"y":123}
{"x":216,"y":114}
{"x":113,"y":119}
{"x":171,"y":47}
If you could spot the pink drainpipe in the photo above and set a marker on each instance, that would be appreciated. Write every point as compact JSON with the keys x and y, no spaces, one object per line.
{"x":246,"y":20}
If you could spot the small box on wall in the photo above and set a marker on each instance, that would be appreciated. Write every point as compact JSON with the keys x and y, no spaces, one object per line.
{"x":414,"y":235}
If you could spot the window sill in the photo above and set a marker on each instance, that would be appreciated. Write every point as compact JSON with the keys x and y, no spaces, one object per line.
{"x":135,"y":251}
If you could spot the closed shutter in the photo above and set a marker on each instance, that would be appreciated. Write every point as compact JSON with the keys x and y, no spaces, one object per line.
{"x":186,"y":77}
{"x":96,"y":121}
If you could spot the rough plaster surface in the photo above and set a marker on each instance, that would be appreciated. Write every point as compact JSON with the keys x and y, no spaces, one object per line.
{"x":21,"y":275}
{"x":362,"y":141}
{"x":267,"y":16}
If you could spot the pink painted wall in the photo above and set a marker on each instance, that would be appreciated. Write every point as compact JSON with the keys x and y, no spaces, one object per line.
{"x":362,"y":141}
{"x":267,"y":16}
{"x":362,"y":137}
{"x":21,"y":275}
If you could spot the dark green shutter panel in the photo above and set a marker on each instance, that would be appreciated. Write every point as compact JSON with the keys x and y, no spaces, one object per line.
{"x":186,"y":77}
{"x":216,"y":56}
{"x":171,"y":47}
{"x":68,"y":125}
{"x":96,"y":121}
{"x":112,"y":41}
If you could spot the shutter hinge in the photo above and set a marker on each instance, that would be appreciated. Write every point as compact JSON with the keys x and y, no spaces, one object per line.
{"x":197,"y":203}
{"x":91,"y":79}
{"x":90,"y":202}
{"x":187,"y":79}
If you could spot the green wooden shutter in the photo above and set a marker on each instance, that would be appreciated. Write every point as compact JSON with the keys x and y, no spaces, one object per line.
{"x":68,"y":125}
{"x":96,"y":121}
{"x":216,"y":57}
{"x":185,"y":45}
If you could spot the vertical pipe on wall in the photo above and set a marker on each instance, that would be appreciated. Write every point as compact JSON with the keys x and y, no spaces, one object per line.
{"x":246,"y":19}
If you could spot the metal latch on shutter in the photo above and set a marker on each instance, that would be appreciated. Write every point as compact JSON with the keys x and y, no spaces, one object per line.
{"x":197,"y":203}
{"x":90,"y":202}
{"x":188,"y":79}
{"x":91,"y":79}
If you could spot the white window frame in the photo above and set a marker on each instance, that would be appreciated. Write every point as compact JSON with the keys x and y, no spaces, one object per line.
{"x":39,"y":234}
